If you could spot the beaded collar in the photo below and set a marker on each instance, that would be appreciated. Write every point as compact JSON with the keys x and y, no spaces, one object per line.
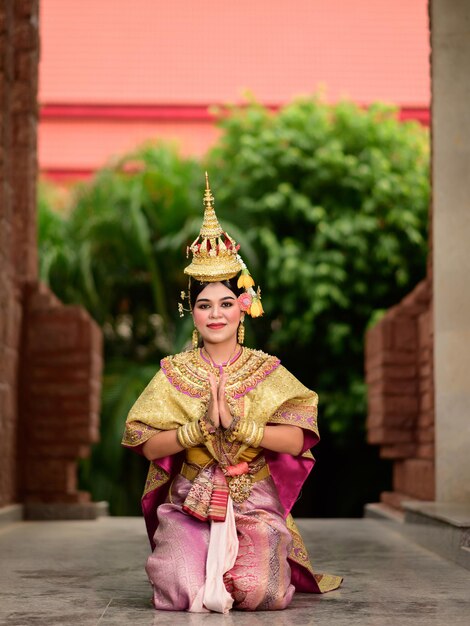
{"x":188,"y":372}
{"x":230,"y":361}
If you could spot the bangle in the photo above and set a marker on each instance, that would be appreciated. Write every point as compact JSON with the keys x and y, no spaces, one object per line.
{"x":207,"y":432}
{"x":190,"y":434}
{"x":248,"y":432}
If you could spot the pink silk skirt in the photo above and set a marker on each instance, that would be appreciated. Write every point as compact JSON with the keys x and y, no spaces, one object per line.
{"x":261,"y":576}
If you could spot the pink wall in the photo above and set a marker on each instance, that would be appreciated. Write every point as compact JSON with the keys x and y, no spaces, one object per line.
{"x":155,"y":52}
{"x":82,"y":145}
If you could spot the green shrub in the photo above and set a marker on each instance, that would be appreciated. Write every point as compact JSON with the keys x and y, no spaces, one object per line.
{"x":335,"y":203}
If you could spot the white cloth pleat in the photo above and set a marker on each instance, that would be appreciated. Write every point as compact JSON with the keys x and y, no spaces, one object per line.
{"x":221,"y":557}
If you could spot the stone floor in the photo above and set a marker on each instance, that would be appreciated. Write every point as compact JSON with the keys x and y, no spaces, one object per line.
{"x":91,"y":573}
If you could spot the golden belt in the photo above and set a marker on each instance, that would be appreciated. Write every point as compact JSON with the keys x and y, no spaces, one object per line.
{"x":239,"y":486}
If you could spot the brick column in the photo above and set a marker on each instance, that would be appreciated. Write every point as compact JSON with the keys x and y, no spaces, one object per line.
{"x":19,"y":53}
{"x":399,"y":375}
{"x":60,"y":399}
{"x":50,"y":355}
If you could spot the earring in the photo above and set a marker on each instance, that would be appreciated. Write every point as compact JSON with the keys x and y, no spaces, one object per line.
{"x":195,"y":338}
{"x":241,"y":333}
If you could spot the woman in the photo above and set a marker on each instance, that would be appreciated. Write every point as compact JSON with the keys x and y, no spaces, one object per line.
{"x":227,"y":430}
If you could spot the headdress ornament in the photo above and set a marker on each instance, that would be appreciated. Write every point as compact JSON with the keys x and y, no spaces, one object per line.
{"x":214,"y":251}
{"x":216,"y":258}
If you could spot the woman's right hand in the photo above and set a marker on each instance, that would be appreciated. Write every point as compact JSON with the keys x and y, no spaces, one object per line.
{"x":213,"y":408}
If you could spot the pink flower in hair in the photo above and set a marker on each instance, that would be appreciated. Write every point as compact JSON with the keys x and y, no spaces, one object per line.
{"x":244,"y":300}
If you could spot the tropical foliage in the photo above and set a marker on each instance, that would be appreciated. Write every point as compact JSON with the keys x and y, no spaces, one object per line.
{"x":335,"y":203}
{"x":330,"y":206}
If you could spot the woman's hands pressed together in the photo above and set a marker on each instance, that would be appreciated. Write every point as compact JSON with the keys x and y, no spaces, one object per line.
{"x":278,"y":438}
{"x":218,"y":409}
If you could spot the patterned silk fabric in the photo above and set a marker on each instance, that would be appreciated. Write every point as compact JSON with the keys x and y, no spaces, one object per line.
{"x":261,"y":576}
{"x":271,"y":550}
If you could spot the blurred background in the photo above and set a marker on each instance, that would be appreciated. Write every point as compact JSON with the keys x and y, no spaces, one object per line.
{"x":312,"y":119}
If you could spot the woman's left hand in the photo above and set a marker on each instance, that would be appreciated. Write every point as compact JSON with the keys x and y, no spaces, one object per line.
{"x":224,"y":409}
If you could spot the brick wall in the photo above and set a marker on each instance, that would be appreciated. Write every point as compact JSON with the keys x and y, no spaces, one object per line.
{"x":399,"y":375}
{"x":60,"y":396}
{"x":50,"y":355}
{"x":19,"y":53}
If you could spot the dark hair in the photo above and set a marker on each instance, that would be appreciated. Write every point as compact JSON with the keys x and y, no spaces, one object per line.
{"x":196,"y":287}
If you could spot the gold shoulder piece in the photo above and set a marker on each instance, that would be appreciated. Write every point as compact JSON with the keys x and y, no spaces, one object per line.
{"x":185,"y":373}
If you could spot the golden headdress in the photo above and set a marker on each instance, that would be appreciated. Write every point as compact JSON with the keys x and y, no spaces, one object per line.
{"x":216,"y":258}
{"x":214,"y":251}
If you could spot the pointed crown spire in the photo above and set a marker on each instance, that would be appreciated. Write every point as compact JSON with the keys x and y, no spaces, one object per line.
{"x":210,"y":225}
{"x":214,"y":251}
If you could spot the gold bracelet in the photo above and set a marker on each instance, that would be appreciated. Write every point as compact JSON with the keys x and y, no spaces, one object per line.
{"x":181,"y":437}
{"x":190,"y":434}
{"x":248,"y":432}
{"x":258,"y":438}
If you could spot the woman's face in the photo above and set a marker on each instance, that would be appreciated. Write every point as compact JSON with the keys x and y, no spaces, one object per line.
{"x":217,"y":313}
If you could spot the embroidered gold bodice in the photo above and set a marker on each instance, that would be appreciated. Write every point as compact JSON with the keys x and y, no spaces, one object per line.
{"x":257,"y":387}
